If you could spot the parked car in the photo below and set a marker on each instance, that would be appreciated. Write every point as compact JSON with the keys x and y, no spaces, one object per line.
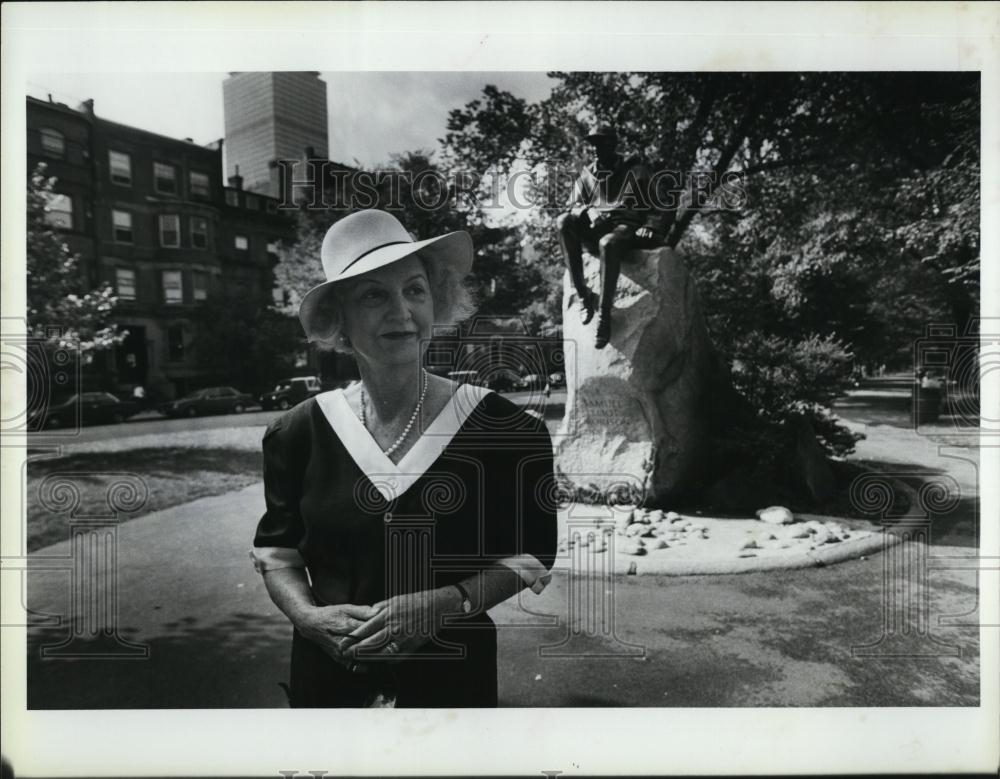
{"x":84,"y":408}
{"x":289,"y":392}
{"x":502,"y":381}
{"x":532,"y":381}
{"x":557,"y":380}
{"x":464,"y":377}
{"x":211,"y":400}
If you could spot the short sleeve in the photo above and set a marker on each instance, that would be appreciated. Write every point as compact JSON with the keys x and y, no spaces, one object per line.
{"x":280,"y":530}
{"x":533,"y":530}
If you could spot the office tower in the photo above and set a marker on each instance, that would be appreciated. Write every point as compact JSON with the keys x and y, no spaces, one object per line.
{"x":271,"y":116}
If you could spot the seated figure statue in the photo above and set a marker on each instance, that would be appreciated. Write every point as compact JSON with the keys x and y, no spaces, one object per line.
{"x":610,"y":213}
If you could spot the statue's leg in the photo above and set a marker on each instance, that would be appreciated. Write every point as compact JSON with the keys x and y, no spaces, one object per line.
{"x":613,"y":247}
{"x":573,"y":232}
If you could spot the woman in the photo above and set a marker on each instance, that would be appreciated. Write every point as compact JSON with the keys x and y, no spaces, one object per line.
{"x":401,"y":509}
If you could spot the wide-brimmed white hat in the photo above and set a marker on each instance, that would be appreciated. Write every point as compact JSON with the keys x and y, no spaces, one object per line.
{"x":367,"y":240}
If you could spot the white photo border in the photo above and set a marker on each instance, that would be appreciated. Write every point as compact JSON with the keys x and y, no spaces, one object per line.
{"x":218,"y":37}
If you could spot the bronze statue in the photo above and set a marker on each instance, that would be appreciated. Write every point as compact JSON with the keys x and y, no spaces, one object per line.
{"x":610,"y":214}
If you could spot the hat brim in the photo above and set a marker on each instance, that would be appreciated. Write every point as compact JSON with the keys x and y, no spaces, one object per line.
{"x":453,"y":250}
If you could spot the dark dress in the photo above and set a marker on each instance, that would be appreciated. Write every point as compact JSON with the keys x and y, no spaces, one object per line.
{"x":475,"y":490}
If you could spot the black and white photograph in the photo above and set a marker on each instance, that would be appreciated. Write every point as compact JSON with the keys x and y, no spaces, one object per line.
{"x":357,"y":363}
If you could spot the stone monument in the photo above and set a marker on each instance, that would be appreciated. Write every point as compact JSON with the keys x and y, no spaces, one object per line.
{"x":638,"y":406}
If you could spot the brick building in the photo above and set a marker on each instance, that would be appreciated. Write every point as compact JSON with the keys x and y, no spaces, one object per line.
{"x":151,"y":215}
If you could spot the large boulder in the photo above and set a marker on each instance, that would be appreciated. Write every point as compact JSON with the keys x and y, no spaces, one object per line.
{"x":637,"y":408}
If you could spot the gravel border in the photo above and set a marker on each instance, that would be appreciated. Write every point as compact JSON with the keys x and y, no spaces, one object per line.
{"x":727,"y":560}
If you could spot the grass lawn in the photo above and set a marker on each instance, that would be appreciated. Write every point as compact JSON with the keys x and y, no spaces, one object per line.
{"x":171,"y":475}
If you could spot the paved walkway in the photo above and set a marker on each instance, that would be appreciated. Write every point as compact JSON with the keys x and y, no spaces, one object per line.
{"x":188,"y":594}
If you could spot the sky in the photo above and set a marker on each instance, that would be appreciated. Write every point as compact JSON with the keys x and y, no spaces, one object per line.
{"x":371,"y":114}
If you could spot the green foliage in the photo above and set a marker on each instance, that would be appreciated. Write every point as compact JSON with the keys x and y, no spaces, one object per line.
{"x":245,"y":343}
{"x":299,"y":268}
{"x":58,"y":295}
{"x":853,"y":224}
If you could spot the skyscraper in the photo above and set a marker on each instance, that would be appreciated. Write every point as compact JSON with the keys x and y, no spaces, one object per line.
{"x":272,"y":116}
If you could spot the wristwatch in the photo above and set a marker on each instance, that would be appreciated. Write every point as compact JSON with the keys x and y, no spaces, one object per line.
{"x":466,"y":600}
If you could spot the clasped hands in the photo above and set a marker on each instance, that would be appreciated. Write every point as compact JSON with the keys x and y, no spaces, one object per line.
{"x":390,"y":629}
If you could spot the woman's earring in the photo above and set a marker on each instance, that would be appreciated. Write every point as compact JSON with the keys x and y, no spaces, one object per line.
{"x":344,"y":341}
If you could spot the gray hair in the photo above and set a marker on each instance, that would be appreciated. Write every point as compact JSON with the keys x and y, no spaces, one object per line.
{"x":453,"y":303}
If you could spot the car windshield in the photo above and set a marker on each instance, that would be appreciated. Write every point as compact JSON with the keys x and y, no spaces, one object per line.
{"x":196,"y":394}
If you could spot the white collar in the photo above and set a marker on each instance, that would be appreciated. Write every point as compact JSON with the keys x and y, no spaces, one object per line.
{"x":393,"y":479}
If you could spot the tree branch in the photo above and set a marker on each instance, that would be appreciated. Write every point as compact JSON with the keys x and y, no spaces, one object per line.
{"x":739,"y":135}
{"x":781,"y":164}
{"x":705,"y":105}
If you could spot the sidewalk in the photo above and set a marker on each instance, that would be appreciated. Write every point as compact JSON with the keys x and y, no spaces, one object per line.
{"x":187,"y":591}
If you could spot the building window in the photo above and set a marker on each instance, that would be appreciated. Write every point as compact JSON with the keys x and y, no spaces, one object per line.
{"x":200,"y":285}
{"x":232,"y":197}
{"x":241,"y":242}
{"x":199,"y":232}
{"x":272,"y":249}
{"x":175,"y":343}
{"x":122,"y":223}
{"x":121,"y":168}
{"x":279,"y":297}
{"x":165,"y":178}
{"x":199,"y":185}
{"x":253,"y":202}
{"x":125,"y":283}
{"x":59,"y":212}
{"x":173,"y":290}
{"x":53,"y":142}
{"x":170,"y":230}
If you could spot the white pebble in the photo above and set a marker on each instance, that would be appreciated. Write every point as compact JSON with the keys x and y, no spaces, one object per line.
{"x":776,"y":515}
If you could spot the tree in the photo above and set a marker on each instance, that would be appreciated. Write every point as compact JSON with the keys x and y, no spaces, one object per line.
{"x":61,"y":311}
{"x":850,"y":219}
{"x":245,"y":342}
{"x":298,"y":268}
{"x":854,"y":174}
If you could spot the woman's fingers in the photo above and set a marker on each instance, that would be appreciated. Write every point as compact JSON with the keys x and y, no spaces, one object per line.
{"x":373,"y":644}
{"x":344,"y":619}
{"x":342,"y":626}
{"x":358,"y":612}
{"x":368,"y":628}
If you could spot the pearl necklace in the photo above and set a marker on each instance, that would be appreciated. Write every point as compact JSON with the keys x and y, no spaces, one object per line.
{"x":413,"y":416}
